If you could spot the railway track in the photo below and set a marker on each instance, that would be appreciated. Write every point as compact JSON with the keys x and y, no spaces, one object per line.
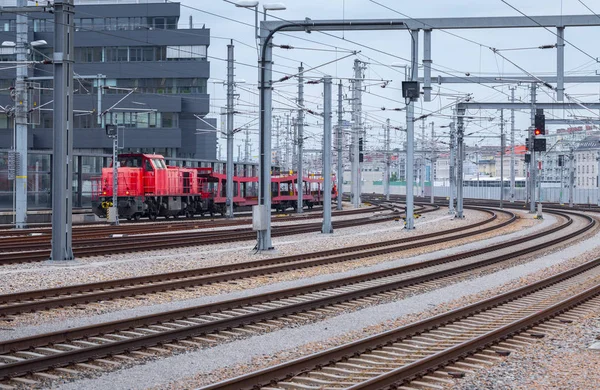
{"x":86,"y":231}
{"x":30,"y":301}
{"x":238,"y":317}
{"x":430,"y":352}
{"x":11,"y":253}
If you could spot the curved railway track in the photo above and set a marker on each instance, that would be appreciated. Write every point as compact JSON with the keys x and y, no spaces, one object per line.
{"x":438,"y":348}
{"x":86,"y":231}
{"x":31,"y":251}
{"x":29,"y":301}
{"x":77,"y":345}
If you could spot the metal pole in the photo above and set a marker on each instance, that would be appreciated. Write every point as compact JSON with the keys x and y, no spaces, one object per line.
{"x":560,"y":63}
{"x":21,"y":129}
{"x":512,"y":147}
{"x":288,"y":163}
{"x":501,"y":158}
{"x":229,"y":184}
{"x":560,"y":195}
{"x":327,"y":227}
{"x":427,"y":65}
{"x":571,"y":177}
{"x":277,"y":143}
{"x":115,"y":171}
{"x":355,"y":136}
{"x":340,"y":149}
{"x":266,"y":95}
{"x":451,"y":167}
{"x":598,"y":178}
{"x":423,"y":156}
{"x":532,"y":164}
{"x":62,"y":161}
{"x":460,"y":162}
{"x":300,"y":126}
{"x":431,"y":175}
{"x":386,"y":179}
{"x":410,"y":136}
{"x":247,"y":146}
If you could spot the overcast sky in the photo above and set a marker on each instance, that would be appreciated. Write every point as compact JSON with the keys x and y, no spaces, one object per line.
{"x":467,"y":53}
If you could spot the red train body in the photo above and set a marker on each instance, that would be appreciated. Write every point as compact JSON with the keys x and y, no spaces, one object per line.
{"x":147,"y":187}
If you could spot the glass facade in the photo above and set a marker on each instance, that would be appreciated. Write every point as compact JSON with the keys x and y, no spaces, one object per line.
{"x":102,"y":24}
{"x":126,"y":54}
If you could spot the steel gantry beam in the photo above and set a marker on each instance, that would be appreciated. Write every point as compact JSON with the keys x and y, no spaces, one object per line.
{"x":527,"y":106}
{"x":269,"y":28}
{"x":511,"y":79}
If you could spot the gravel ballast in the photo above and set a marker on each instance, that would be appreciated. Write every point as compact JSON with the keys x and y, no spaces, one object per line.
{"x":51,"y":321}
{"x":233,"y":357}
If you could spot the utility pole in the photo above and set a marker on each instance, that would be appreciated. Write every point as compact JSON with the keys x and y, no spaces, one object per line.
{"x":571,"y":176}
{"x":512,"y":146}
{"x":340,"y":149}
{"x":356,"y":130}
{"x":422,"y":165}
{"x":459,"y":162}
{"x":562,"y":168}
{"x":229,"y":184}
{"x":431,"y":175}
{"x":532,"y":162}
{"x":277,"y":143}
{"x":287,"y":142}
{"x":410,"y":135}
{"x":247,"y":146}
{"x":62,"y":158}
{"x":451,"y":168}
{"x":21,"y":110}
{"x":386,"y":178}
{"x":327,"y":226}
{"x":598,"y":177}
{"x":300,"y":126}
{"x":501,"y":158}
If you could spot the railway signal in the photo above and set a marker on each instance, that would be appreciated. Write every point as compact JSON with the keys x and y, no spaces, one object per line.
{"x":539,"y":123}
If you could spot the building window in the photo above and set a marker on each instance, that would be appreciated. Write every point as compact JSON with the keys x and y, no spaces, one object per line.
{"x":110,"y":24}
{"x":159,"y":23}
{"x":186,"y":52}
{"x":135,"y":54}
{"x":148,"y":54}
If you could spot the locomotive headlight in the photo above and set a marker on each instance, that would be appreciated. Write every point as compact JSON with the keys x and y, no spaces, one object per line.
{"x":104,"y":193}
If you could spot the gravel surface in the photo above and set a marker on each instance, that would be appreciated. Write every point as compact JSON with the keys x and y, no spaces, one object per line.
{"x":72,"y":316}
{"x":244,"y":355}
{"x":561,"y":360}
{"x":22,"y":277}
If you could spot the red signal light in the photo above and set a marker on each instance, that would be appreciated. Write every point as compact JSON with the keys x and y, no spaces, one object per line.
{"x":537,"y":132}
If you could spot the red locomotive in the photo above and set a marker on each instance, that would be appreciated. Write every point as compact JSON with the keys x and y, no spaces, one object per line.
{"x":147,"y":187}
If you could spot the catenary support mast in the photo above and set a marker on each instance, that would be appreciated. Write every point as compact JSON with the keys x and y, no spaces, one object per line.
{"x":327,"y":227}
{"x":230,"y":81}
{"x":62,"y":158}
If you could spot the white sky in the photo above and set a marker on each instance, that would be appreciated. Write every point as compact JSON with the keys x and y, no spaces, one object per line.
{"x":450,"y":55}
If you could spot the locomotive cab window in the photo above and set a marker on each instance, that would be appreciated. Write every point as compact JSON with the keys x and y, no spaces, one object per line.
{"x":134,"y":162}
{"x":159,"y":164}
{"x":148,"y":166}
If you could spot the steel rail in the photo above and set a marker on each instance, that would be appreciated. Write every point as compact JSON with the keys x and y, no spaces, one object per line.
{"x":164,"y":225}
{"x":86,"y":353}
{"x":28,"y":301}
{"x":42,"y":242}
{"x":144,"y":243}
{"x":308,"y":363}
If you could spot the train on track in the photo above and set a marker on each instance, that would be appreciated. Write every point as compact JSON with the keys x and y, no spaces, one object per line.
{"x":148,"y":188}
